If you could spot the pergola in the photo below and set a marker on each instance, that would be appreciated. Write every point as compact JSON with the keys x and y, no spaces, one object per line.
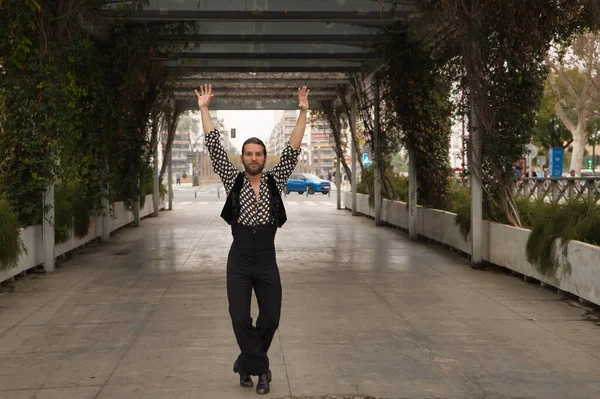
{"x":256,"y":53}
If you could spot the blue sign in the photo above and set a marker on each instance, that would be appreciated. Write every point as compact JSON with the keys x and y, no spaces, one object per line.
{"x":366,"y":161}
{"x":556,"y":161}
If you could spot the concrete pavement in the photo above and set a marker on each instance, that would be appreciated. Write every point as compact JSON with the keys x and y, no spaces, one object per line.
{"x":365,"y":312}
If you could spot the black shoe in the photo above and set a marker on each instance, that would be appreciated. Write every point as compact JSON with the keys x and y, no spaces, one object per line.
{"x":263,"y":386}
{"x":245,"y":379}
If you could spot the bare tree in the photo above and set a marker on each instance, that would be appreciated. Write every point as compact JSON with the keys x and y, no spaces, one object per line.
{"x":339,"y":143}
{"x":170,"y":117}
{"x":575,"y":83}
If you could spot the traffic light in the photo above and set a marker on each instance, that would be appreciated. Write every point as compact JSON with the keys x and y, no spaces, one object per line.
{"x":233,"y":133}
{"x":590,"y":167}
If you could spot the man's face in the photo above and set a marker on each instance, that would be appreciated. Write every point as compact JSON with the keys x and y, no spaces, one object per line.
{"x":254,"y":159}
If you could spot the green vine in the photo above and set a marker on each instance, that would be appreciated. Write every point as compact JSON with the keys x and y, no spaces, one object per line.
{"x":74,"y":112}
{"x":416,"y":91}
{"x":497,"y":49}
{"x":11,"y":245}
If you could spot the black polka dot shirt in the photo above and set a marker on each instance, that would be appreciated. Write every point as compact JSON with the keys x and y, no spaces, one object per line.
{"x":253,"y":212}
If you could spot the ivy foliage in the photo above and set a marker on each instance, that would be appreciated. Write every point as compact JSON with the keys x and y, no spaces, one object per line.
{"x":417,"y":93}
{"x":498,"y":48}
{"x":11,"y":245}
{"x":73,"y":111}
{"x":72,"y":213}
{"x":367,"y":183}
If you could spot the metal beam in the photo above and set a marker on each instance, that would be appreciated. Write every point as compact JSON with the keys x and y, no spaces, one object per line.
{"x":256,"y":6}
{"x":267,"y":28}
{"x":195,"y":69}
{"x":379,"y":17}
{"x":255,"y":85}
{"x":247,"y":104}
{"x":221,"y":62}
{"x":240,"y":47}
{"x":355,"y":40}
{"x":269,"y":56}
{"x":259,"y":93}
{"x":269,"y":77}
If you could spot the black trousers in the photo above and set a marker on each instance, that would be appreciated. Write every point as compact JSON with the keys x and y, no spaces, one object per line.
{"x":252,"y":265}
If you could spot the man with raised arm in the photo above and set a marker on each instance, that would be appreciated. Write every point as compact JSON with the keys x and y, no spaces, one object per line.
{"x":254,"y":210}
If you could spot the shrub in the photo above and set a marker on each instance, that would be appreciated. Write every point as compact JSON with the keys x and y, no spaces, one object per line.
{"x":573,"y":220}
{"x":71,"y":211}
{"x":460,"y":199}
{"x":366,"y":185}
{"x":11,"y":245}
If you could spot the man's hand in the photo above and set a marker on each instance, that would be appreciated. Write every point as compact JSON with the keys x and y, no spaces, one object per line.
{"x":303,"y":98}
{"x":205,"y":96}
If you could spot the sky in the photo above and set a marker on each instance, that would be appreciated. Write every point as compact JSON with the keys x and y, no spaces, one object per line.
{"x":248,"y":124}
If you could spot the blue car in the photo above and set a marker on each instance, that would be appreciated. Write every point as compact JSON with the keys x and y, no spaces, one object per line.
{"x":301,"y":182}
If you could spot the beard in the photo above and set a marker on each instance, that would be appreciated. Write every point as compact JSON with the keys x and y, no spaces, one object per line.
{"x":254,"y":168}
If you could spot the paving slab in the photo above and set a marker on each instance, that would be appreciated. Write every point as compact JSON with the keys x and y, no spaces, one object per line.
{"x":366,"y":313}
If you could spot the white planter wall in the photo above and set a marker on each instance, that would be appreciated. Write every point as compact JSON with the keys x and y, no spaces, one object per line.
{"x":33,"y":237}
{"x":502,"y":245}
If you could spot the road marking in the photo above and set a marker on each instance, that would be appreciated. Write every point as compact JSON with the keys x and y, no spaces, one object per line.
{"x":186,"y":203}
{"x":310,"y":203}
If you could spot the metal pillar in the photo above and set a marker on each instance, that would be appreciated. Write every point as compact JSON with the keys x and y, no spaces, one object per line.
{"x":136,"y":208}
{"x":476,"y":190}
{"x":136,"y":214}
{"x":105,"y":217}
{"x":338,"y":185}
{"x":170,"y":181}
{"x":354,"y":154}
{"x":48,"y":230}
{"x":377,"y":155}
{"x":198,"y":165}
{"x":155,"y":186}
{"x":412,"y":195}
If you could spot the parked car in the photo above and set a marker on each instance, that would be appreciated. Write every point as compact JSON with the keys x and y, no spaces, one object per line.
{"x":301,"y":182}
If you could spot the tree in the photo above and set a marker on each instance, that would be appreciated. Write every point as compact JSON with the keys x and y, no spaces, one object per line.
{"x":337,"y":127}
{"x":499,"y":47}
{"x":549,"y":131}
{"x":575,"y":83}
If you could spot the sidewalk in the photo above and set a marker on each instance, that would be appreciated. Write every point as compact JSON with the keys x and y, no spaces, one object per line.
{"x":365,"y":312}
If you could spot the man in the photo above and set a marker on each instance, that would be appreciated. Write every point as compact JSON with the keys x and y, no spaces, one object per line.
{"x":254,"y":209}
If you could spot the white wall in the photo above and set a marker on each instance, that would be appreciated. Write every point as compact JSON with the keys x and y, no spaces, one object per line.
{"x":503,"y":245}
{"x":33,"y":237}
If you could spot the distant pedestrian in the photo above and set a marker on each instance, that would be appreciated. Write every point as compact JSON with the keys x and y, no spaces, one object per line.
{"x":532,"y":174}
{"x":184,"y":176}
{"x":178,"y":179}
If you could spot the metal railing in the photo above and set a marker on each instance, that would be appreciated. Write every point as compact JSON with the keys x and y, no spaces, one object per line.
{"x":559,"y":189}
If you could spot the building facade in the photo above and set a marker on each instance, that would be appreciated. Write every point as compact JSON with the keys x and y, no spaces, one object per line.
{"x":285,"y":122}
{"x":322,"y":152}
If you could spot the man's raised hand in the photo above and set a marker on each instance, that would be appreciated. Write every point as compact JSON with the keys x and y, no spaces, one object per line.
{"x":205,"y":96}
{"x":303,"y":98}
